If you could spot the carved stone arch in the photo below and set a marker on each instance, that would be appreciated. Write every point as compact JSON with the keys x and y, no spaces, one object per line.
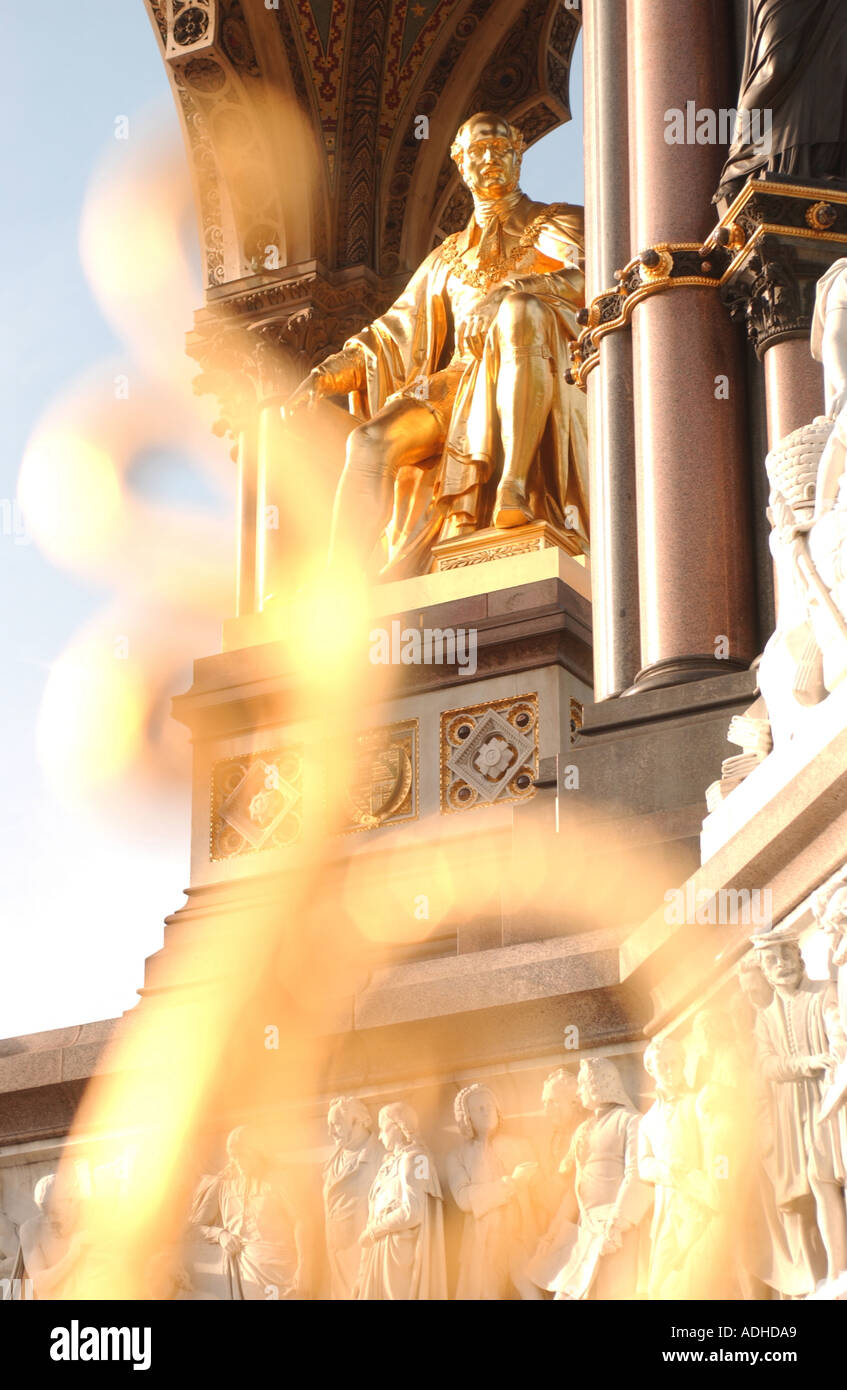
{"x":292,"y":117}
{"x":440,"y":92}
{"x":237,"y":172}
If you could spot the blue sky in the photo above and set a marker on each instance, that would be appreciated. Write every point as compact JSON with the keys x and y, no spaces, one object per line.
{"x":87,"y":883}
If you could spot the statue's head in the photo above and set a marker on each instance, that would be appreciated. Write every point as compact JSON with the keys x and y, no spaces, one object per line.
{"x":398,"y":1125}
{"x":829,"y":904}
{"x":244,"y":1153}
{"x":348,"y":1119}
{"x":559,"y":1096}
{"x":58,"y":1201}
{"x":752,"y":982}
{"x":711,"y":1029}
{"x":780,"y":959}
{"x":599,"y":1083}
{"x":477,"y":1112}
{"x":487,"y":151}
{"x":664,"y":1060}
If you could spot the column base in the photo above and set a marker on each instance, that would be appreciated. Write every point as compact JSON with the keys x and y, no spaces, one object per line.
{"x":678,"y":670}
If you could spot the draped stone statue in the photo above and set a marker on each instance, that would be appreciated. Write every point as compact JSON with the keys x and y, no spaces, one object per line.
{"x":347,"y":1180}
{"x":829,"y":905}
{"x":54,"y":1243}
{"x":465,"y":417}
{"x":727,"y":1095}
{"x":489,"y":1177}
{"x":555,"y":1191}
{"x":9,"y":1244}
{"x":688,"y":1240}
{"x":403,"y":1242}
{"x":799,"y":1043}
{"x":795,"y":59}
{"x":245,"y":1211}
{"x":612,"y":1199}
{"x":806,"y":658}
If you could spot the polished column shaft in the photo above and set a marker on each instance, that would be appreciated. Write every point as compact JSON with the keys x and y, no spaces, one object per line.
{"x":695,"y":567}
{"x":614,"y":561}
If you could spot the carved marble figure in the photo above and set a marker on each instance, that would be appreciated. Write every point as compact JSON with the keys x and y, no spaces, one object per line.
{"x":403,"y":1255}
{"x":799,"y":1041}
{"x":612,"y":1199}
{"x":555,"y":1191}
{"x":53,"y":1243}
{"x":684,"y":1260}
{"x":347,"y":1180}
{"x":489,"y":1176}
{"x":245,"y":1211}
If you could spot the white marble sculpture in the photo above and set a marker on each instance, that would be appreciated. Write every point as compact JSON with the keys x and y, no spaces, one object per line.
{"x":799,"y":1042}
{"x":347,"y":1180}
{"x":403,"y":1255}
{"x":807,"y":656}
{"x":805,"y":659}
{"x":612,"y":1199}
{"x":554,"y":1192}
{"x":672,"y":1159}
{"x":245,"y":1211}
{"x":489,"y":1176}
{"x":53,"y":1243}
{"x":9,"y":1244}
{"x":829,"y":906}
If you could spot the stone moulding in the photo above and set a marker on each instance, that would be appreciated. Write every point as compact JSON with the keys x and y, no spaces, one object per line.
{"x":742,"y":258}
{"x":665,"y":266}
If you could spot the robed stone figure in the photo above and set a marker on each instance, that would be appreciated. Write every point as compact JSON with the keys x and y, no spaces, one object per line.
{"x":347,"y":1180}
{"x":245,"y":1211}
{"x":490,"y":1176}
{"x":799,"y":1042}
{"x":466,"y":420}
{"x":604,"y":1258}
{"x":403,"y":1255}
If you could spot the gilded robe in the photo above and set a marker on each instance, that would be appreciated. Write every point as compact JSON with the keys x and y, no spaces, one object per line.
{"x":412,"y":351}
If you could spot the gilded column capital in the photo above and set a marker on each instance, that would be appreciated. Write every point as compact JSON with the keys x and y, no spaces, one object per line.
{"x":781,"y":234}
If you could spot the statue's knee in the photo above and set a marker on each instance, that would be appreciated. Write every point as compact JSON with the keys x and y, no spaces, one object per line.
{"x":522,"y":317}
{"x":366,"y":450}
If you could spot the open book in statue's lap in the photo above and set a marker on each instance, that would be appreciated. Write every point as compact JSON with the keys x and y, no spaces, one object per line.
{"x":466,"y":419}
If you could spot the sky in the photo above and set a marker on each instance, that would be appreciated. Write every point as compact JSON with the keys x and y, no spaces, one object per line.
{"x":92,"y":860}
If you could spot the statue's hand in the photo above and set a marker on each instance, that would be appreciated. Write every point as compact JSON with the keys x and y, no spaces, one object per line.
{"x":306,"y":394}
{"x":820,"y":1061}
{"x":839,"y":403}
{"x":613,"y":1235}
{"x":473,"y":331}
{"x":525,"y":1172}
{"x":229,"y":1242}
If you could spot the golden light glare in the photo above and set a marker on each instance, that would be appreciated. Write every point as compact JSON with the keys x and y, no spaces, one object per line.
{"x":70,"y":494}
{"x":92,"y":718}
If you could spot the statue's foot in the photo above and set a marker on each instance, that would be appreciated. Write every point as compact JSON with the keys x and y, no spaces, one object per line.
{"x":511,"y":506}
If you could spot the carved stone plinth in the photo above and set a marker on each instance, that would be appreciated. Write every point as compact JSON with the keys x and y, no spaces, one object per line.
{"x":491,"y":544}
